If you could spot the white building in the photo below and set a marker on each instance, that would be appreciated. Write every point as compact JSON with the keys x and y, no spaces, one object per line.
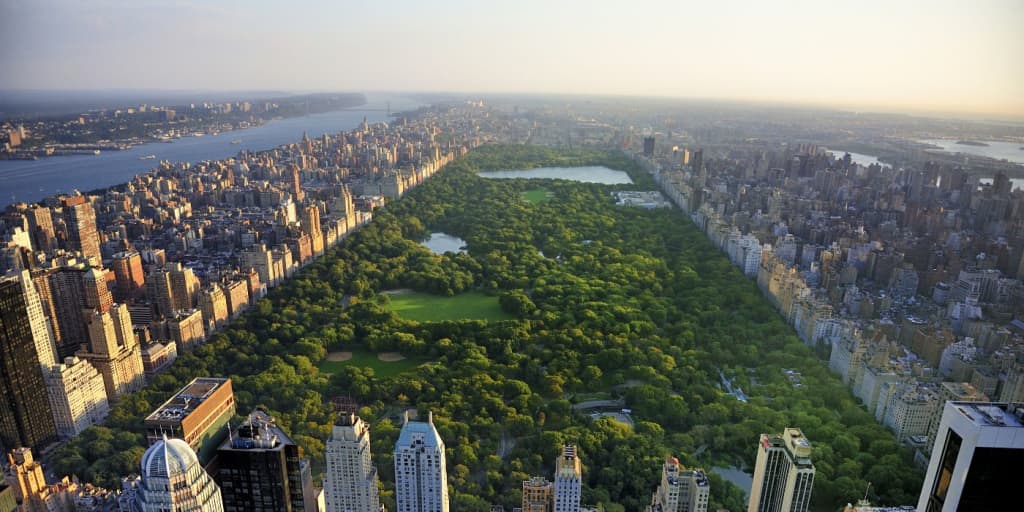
{"x":783,"y":473}
{"x":568,"y":481}
{"x":77,"y":396}
{"x":421,"y":479}
{"x":41,"y":330}
{"x":350,"y":483}
{"x":173,"y":480}
{"x":974,"y":463}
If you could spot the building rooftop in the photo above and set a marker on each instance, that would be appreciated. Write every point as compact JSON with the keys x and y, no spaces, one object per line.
{"x":418,"y":431}
{"x":986,"y":414}
{"x":258,"y":432}
{"x":187,"y":399}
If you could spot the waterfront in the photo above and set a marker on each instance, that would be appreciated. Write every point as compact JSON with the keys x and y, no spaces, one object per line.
{"x":1010,"y":151}
{"x":585,"y":174}
{"x":34,"y":180}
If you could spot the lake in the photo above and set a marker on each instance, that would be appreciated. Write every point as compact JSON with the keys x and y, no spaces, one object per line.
{"x":440,"y":243}
{"x":585,"y":174}
{"x":33,"y":180}
{"x":736,"y":476}
{"x":996,"y":149}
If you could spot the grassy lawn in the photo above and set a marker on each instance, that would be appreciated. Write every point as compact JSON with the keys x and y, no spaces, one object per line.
{"x":365,"y":358}
{"x":537,"y":195}
{"x":424,"y":307}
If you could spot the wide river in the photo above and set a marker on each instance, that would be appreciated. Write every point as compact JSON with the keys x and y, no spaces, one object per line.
{"x":33,"y":180}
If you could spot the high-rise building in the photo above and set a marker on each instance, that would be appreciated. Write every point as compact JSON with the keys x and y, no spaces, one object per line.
{"x":25,"y":417}
{"x":258,"y":469}
{"x":783,"y":473}
{"x":214,"y":305}
{"x":538,"y":495}
{"x":40,"y":325}
{"x":421,"y":479}
{"x":173,"y":480}
{"x":77,"y":396}
{"x":568,"y":485}
{"x":973,"y":465}
{"x":96,"y":290}
{"x":68,"y":295}
{"x":80,"y":219}
{"x":129,"y":275}
{"x":197,"y":413}
{"x":681,"y":489}
{"x":114,"y":351}
{"x":350,"y":481}
{"x":172,"y":288}
{"x":29,"y":484}
{"x":649,"y":146}
{"x":40,"y":227}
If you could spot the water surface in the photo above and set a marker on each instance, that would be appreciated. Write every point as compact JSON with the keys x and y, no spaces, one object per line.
{"x":585,"y":174}
{"x":441,"y":243}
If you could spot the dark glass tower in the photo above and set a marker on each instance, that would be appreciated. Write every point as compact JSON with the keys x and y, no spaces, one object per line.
{"x":25,"y":417}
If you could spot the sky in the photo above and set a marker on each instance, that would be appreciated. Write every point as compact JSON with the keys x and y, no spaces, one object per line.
{"x":903,"y":55}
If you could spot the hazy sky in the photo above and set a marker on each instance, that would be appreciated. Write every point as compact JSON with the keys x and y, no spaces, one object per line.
{"x":948,"y":55}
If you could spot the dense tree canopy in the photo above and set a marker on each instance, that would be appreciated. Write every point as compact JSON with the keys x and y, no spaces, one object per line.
{"x":609,"y":301}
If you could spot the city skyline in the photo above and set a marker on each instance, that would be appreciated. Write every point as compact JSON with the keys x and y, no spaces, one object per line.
{"x":863,"y":57}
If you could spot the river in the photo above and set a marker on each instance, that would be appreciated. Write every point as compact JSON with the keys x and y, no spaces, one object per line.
{"x":1010,"y":151}
{"x":33,"y":180}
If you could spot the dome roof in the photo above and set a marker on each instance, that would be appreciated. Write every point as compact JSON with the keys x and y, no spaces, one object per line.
{"x":167,"y":458}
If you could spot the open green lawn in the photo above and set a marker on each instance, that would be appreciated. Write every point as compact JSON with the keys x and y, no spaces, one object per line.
{"x":537,"y":195}
{"x":365,"y":358}
{"x":424,"y":307}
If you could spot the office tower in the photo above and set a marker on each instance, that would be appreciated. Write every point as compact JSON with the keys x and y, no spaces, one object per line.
{"x":114,"y":351}
{"x":350,"y":481}
{"x":96,"y":292}
{"x":697,"y":161}
{"x":184,"y":285}
{"x":172,"y":288}
{"x":68,"y":295}
{"x":538,"y":494}
{"x":128,"y":274}
{"x":421,"y":480}
{"x":978,"y":449}
{"x":783,"y":473}
{"x":258,"y":469}
{"x":568,"y":481}
{"x":296,"y":185}
{"x":173,"y":480}
{"x":80,"y":220}
{"x":29,"y":484}
{"x":40,"y":227}
{"x":197,"y":413}
{"x":78,"y":397}
{"x":160,"y":292}
{"x":214,"y":306}
{"x":649,"y":146}
{"x":25,"y":417}
{"x":39,"y":324}
{"x":681,"y":489}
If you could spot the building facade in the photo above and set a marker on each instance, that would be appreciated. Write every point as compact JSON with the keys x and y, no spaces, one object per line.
{"x":421,"y":479}
{"x":197,"y":413}
{"x":681,"y":489}
{"x":173,"y":480}
{"x":350,"y":481}
{"x":783,"y":473}
{"x":78,"y":397}
{"x":568,"y":485}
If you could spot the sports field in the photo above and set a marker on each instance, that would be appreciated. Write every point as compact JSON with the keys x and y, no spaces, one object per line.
{"x":385,"y":364}
{"x":537,"y":195}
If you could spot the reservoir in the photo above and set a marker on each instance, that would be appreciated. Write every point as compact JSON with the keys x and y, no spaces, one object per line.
{"x":586,"y":174}
{"x":859,"y":158}
{"x":33,"y":180}
{"x":1010,"y":151}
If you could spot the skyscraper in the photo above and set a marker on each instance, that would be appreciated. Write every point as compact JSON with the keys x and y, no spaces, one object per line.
{"x":538,"y":495}
{"x":568,"y":481}
{"x":649,"y":146}
{"x":197,"y":413}
{"x":783,"y":473}
{"x":25,"y":417}
{"x":681,"y":489}
{"x":80,"y":219}
{"x":128,"y":273}
{"x":350,"y":484}
{"x":421,"y":479}
{"x":173,"y":480}
{"x":115,"y":351}
{"x":26,"y":477}
{"x":40,"y":325}
{"x":978,"y":448}
{"x":77,"y":396}
{"x":258,"y":469}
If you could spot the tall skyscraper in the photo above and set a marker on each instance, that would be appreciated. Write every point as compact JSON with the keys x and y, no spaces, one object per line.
{"x":978,"y":448}
{"x":114,"y":351}
{"x":421,"y":479}
{"x":350,"y":482}
{"x":783,"y":473}
{"x":197,"y":413}
{"x":128,"y":275}
{"x":25,"y":417}
{"x":26,"y":477}
{"x":78,"y":397}
{"x":538,"y":495}
{"x":568,"y":481}
{"x":258,"y":469}
{"x":68,"y":295}
{"x":172,"y":480}
{"x":80,"y":219}
{"x":40,"y":325}
{"x":649,"y":146}
{"x":97,"y":293}
{"x":681,"y":489}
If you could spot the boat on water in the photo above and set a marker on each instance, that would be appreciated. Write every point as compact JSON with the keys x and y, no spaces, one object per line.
{"x":95,"y":151}
{"x":236,"y":141}
{"x":148,"y":157}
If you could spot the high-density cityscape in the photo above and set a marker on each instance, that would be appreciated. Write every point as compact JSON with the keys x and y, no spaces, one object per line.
{"x":656,"y":256}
